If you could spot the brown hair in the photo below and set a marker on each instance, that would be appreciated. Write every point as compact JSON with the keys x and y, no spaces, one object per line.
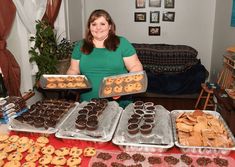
{"x":110,"y":43}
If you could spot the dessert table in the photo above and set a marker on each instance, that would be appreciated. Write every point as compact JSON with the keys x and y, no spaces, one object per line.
{"x":107,"y":146}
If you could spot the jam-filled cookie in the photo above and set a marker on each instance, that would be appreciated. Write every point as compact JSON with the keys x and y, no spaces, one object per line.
{"x":138,"y":86}
{"x":118,"y":80}
{"x":129,"y":88}
{"x":138,"y":77}
{"x":118,"y":89}
{"x":128,"y":79}
{"x":108,"y":90}
{"x":109,"y":81}
{"x":51,"y":85}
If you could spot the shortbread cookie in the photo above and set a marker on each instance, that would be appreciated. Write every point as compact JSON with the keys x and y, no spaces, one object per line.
{"x":29,"y":164}
{"x":62,"y":151}
{"x":89,"y":151}
{"x":12,"y":164}
{"x":75,"y":152}
{"x":49,"y":149}
{"x":74,"y":161}
{"x":32,"y":157}
{"x":58,"y":160}
{"x":45,"y":159}
{"x":15,"y":156}
{"x":3,"y":137}
{"x":13,"y":138}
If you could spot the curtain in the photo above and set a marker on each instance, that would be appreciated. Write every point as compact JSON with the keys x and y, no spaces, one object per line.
{"x":52,"y":10}
{"x":9,"y":66}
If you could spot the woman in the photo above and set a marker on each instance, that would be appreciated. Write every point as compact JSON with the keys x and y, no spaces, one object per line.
{"x":102,"y":53}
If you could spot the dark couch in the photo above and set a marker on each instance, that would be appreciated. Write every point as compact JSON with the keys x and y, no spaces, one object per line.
{"x":171,"y":69}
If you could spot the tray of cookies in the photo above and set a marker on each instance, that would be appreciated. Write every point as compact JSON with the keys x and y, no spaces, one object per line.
{"x":44,"y":116}
{"x":201,"y":132}
{"x":123,"y":84}
{"x":95,"y":120}
{"x":144,"y":127}
{"x":48,"y":81}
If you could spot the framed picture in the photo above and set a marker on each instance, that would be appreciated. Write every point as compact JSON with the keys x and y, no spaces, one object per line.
{"x":155,"y":3}
{"x":154,"y":16}
{"x":140,"y":16}
{"x":168,"y":16}
{"x":169,"y":3}
{"x":140,"y":3}
{"x":154,"y":31}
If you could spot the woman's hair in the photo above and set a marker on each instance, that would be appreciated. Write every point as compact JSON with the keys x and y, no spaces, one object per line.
{"x":111,"y":42}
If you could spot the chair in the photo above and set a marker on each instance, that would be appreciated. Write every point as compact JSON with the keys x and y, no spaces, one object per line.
{"x":225,"y":80}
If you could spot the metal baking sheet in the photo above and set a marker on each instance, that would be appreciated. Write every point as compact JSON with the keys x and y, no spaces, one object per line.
{"x":43,"y":81}
{"x":143,"y":82}
{"x":160,"y":139}
{"x":108,"y":121}
{"x":201,"y":150}
{"x":16,"y":125}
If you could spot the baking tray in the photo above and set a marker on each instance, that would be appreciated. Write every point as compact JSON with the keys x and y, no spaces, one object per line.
{"x":44,"y":82}
{"x":123,"y":84}
{"x":16,"y":125}
{"x":160,"y":139}
{"x":113,"y":155}
{"x":108,"y":121}
{"x":231,"y":93}
{"x":200,"y":149}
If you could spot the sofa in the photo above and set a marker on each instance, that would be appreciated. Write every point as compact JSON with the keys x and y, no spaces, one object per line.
{"x":171,"y":69}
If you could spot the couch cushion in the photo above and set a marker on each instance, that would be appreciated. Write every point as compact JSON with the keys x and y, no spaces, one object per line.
{"x":166,"y":58}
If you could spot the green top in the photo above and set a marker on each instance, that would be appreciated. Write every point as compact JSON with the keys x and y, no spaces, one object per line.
{"x":101,"y":63}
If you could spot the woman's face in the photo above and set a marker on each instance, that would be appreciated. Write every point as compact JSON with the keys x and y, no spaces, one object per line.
{"x":100,"y":28}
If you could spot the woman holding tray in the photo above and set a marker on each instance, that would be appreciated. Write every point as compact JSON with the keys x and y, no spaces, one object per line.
{"x":102,"y":53}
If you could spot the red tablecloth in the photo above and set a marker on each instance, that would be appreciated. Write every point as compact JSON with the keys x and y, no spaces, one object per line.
{"x":57,"y":143}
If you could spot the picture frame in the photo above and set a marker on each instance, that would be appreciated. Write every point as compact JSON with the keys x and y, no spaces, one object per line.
{"x":140,"y":16}
{"x":155,"y":3}
{"x":154,"y":30}
{"x":154,"y":16}
{"x":140,"y":3}
{"x":168,"y":16}
{"x":169,"y":3}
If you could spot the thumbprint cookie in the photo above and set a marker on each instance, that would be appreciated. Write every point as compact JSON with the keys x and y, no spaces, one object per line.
{"x":108,"y":90}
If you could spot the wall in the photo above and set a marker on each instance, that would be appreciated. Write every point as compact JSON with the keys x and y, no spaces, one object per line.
{"x":194,"y":23}
{"x":224,"y":35}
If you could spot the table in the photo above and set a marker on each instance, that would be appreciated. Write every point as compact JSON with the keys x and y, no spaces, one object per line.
{"x":57,"y":143}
